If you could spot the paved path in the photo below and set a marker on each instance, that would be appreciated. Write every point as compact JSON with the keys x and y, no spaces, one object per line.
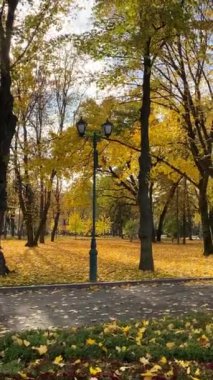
{"x":29,"y":309}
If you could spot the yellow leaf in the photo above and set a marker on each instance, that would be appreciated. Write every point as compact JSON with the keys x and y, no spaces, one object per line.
{"x":17,"y":340}
{"x":58,"y":361}
{"x":197,"y":372}
{"x":126,"y":329}
{"x":170,"y":373}
{"x":170,"y":345}
{"x":204,"y":341}
{"x":95,"y":371}
{"x":152,"y":372}
{"x":171,"y":326}
{"x":23,"y":375}
{"x":42,"y":349}
{"x":78,"y":361}
{"x":209,"y":328}
{"x":183,"y":363}
{"x":90,"y":342}
{"x":144,"y":361}
{"x":26,"y":343}
{"x":153,"y":340}
{"x":147,"y":375}
{"x":163,"y":360}
{"x":156,"y":368}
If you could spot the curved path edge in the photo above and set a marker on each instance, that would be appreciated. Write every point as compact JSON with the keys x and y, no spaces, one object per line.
{"x":85,"y":285}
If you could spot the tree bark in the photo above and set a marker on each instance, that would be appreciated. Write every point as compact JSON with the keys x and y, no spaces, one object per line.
{"x":205,"y":217}
{"x":28,"y":216}
{"x":55,"y":227}
{"x":7,"y":118}
{"x":43,"y":219}
{"x":211,"y":220}
{"x":184,"y":211}
{"x":58,"y":211}
{"x":189,"y":217}
{"x":145,"y":228}
{"x":165,"y":209}
{"x":42,"y":201}
{"x":151,"y":205}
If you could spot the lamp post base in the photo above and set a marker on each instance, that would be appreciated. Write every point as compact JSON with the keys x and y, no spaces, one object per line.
{"x":93,"y":264}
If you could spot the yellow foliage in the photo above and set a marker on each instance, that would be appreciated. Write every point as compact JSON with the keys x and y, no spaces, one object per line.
{"x":67,"y":260}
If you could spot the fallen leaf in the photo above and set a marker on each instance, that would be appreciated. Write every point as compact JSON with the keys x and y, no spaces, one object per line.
{"x":170,"y":345}
{"x":94,"y":370}
{"x":42,"y":349}
{"x":58,"y":361}
{"x":90,"y":342}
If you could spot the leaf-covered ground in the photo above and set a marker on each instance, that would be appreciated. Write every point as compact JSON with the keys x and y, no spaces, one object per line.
{"x":67,"y":260}
{"x":170,"y":348}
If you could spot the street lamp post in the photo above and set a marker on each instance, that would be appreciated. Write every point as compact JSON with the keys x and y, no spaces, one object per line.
{"x":93,"y":253}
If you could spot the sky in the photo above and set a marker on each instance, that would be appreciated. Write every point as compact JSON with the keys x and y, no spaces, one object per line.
{"x":81,"y":18}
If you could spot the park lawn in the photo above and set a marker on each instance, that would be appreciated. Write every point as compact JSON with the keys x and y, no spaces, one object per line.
{"x":67,"y":261}
{"x":159,"y":349}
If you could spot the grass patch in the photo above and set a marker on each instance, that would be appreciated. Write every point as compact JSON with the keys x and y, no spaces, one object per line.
{"x":169,"y":348}
{"x":67,"y":261}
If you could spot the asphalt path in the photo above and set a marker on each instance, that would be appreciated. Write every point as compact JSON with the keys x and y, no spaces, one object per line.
{"x":47,"y":308}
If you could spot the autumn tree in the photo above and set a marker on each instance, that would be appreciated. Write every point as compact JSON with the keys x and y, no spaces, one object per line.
{"x":183,"y":75}
{"x":133,"y":36}
{"x":23,"y":37}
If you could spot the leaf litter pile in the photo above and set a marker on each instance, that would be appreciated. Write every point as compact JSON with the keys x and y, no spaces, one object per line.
{"x":67,"y":261}
{"x":165,"y":349}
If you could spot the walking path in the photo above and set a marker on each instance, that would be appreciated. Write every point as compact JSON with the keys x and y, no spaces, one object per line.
{"x":65,"y":307}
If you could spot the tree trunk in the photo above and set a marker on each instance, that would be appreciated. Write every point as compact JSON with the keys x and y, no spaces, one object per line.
{"x":28,"y":216}
{"x":43,"y":219}
{"x":184,"y":212}
{"x":55,"y":227}
{"x":7,"y":118}
{"x":42,"y":201}
{"x":5,"y":226}
{"x":151,"y":205}
{"x":165,"y":209}
{"x":205,"y":217}
{"x":3,"y":266}
{"x":145,"y":228}
{"x":58,"y":211}
{"x":42,"y":234}
{"x":30,"y":231}
{"x":211,"y":220}
{"x":189,"y":217}
{"x":177,"y":215}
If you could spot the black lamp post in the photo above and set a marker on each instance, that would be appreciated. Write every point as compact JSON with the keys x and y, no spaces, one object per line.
{"x":107,"y":130}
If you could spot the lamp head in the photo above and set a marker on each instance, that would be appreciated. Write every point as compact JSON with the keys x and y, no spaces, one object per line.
{"x":81,"y":127}
{"x":107,"y":128}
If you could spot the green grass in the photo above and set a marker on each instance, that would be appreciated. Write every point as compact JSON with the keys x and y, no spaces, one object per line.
{"x":169,"y":348}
